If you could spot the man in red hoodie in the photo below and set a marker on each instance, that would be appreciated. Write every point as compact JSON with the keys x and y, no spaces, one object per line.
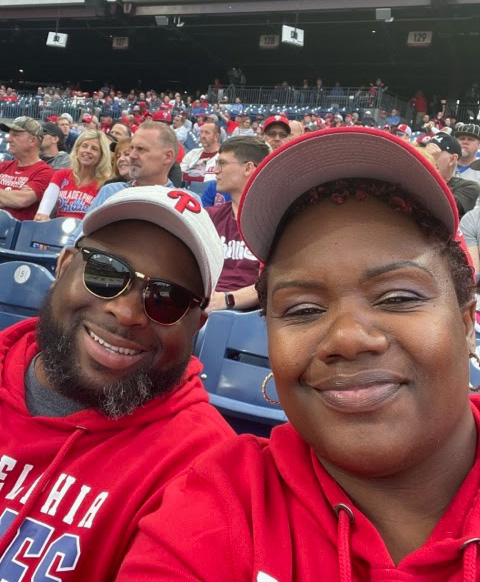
{"x":370,"y":309}
{"x":101,"y":401}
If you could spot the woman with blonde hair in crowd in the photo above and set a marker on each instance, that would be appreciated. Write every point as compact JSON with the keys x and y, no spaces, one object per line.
{"x":121,"y":161}
{"x":72,"y":190}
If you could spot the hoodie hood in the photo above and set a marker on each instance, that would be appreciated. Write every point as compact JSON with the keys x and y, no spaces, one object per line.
{"x":452,"y":545}
{"x":18,"y":347}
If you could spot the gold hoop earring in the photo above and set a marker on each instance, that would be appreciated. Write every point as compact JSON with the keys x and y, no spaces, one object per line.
{"x":268,"y":377}
{"x":476,"y":357}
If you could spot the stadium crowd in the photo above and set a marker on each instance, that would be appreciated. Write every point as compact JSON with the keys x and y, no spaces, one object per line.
{"x":343,"y":229}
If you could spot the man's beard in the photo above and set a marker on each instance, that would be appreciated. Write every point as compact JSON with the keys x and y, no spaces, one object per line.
{"x":59,"y":357}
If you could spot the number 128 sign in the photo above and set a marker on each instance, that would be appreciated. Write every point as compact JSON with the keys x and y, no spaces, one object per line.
{"x":419,"y":38}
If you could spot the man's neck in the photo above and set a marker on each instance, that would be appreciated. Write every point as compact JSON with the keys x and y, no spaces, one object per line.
{"x":211,"y":149}
{"x":28,"y":159}
{"x":160,"y":180}
{"x":467,"y":161}
{"x":235,"y":196}
{"x":50,"y":152}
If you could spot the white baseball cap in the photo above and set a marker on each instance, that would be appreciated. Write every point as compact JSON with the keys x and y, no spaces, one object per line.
{"x":174,"y":210}
{"x":322,"y":156}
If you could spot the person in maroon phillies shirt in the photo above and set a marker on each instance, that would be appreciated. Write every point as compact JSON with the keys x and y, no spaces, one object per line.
{"x":237,"y":159}
{"x":24,"y":179}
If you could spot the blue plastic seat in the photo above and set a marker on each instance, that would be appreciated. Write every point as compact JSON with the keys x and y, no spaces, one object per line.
{"x":40,"y":242}
{"x":233,"y":350}
{"x":23,"y":290}
{"x":9,"y":228}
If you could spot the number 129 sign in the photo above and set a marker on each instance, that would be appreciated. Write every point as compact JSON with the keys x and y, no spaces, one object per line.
{"x":419,"y":38}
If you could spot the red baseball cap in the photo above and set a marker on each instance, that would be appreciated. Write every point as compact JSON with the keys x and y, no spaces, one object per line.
{"x":331,"y":154}
{"x":87,"y":118}
{"x":161,"y":115}
{"x":281,"y":119}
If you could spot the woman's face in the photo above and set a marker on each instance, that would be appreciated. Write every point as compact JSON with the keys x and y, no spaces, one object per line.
{"x":367,"y":343}
{"x":89,"y":153}
{"x":122,"y":160}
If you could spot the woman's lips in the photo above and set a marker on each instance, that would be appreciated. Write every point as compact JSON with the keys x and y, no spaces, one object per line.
{"x":360,"y":393}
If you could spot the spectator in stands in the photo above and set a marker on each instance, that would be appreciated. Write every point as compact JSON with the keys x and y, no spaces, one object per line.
{"x":200,"y":120}
{"x":309,"y":123}
{"x":469,"y":137}
{"x":153,"y":150}
{"x":90,"y":121}
{"x":296,"y":129}
{"x":447,"y":150}
{"x":419,"y":103}
{"x":72,"y":191}
{"x":23,"y":180}
{"x":276,"y":131}
{"x":180,"y":128}
{"x":470,"y":229}
{"x":368,"y":120}
{"x":244,"y":127}
{"x":119,"y":130}
{"x":230,"y":125}
{"x":393,"y":118}
{"x":52,"y":148}
{"x":403,"y":131}
{"x":237,"y":159}
{"x":103,"y":389}
{"x":198,"y":165}
{"x":121,"y":161}
{"x":369,"y":305}
{"x":337,"y":90}
{"x":64,"y":122}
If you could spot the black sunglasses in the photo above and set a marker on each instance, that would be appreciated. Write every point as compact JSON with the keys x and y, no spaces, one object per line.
{"x":107,"y":277}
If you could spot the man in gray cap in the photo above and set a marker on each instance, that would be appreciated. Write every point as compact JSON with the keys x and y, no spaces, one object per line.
{"x":64,"y":122}
{"x":53,"y":147}
{"x":24,"y":179}
{"x":468,"y":134}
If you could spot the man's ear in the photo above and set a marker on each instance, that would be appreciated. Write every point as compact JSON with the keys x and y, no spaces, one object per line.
{"x":250,"y":167}
{"x":64,"y":260}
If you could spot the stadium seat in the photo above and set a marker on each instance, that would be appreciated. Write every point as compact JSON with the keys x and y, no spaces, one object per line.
{"x":9,"y":228}
{"x":23,"y":289}
{"x":233,"y":350}
{"x":40,"y":242}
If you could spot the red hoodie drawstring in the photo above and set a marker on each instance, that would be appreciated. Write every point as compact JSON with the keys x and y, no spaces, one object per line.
{"x":345,"y":520}
{"x":45,"y":478}
{"x":470,"y":550}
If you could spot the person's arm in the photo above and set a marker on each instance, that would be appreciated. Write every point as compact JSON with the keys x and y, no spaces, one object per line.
{"x":469,"y":227}
{"x":245,"y":298}
{"x":17,"y":198}
{"x":48,"y":202}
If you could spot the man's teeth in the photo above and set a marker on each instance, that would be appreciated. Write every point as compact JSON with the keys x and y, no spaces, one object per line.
{"x":116,"y":349}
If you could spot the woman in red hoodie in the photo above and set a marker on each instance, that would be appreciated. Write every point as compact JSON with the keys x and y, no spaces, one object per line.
{"x":369,"y":303}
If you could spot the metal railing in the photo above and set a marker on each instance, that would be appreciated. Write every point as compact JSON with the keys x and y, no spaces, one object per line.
{"x":324,"y":98}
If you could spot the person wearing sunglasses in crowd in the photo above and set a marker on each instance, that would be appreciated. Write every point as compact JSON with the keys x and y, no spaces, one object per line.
{"x":276,"y":131}
{"x":369,"y":305}
{"x":101,"y":402}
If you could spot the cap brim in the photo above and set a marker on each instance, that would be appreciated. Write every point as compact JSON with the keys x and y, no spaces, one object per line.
{"x":6,"y":127}
{"x":331,"y":154}
{"x":475,"y":165}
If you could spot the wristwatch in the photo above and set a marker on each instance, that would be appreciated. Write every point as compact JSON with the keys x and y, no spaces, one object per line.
{"x":229,"y":300}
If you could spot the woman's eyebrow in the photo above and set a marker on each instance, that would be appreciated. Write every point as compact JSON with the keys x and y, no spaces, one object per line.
{"x":381,"y":269}
{"x":298,"y":283}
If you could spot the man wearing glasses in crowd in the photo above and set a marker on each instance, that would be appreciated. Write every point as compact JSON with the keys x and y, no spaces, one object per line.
{"x":237,"y":159}
{"x":276,"y":131}
{"x":101,"y":401}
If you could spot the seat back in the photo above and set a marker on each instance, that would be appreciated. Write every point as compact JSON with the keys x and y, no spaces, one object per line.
{"x":233,"y":350}
{"x":23,"y":290}
{"x":9,"y":228}
{"x":49,"y":236}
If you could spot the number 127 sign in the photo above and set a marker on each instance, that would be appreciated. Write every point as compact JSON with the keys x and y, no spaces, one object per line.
{"x":419,"y":38}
